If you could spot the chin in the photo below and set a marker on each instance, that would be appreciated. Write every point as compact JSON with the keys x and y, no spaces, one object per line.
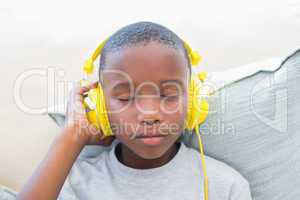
{"x":150,"y":148}
{"x":151,"y":155}
{"x":152,"y":152}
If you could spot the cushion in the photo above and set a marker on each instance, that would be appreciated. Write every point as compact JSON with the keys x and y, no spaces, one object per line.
{"x":254,"y":126}
{"x":7,"y":194}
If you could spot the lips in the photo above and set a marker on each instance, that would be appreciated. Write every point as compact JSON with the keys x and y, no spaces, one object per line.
{"x":149,"y":136}
{"x":151,"y":139}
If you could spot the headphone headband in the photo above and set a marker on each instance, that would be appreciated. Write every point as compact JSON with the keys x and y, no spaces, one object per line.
{"x":88,"y":67}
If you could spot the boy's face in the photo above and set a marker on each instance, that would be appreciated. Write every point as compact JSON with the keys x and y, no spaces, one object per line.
{"x":146,"y":92}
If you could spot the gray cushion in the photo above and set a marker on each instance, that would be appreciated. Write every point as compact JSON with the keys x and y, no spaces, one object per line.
{"x":7,"y":194}
{"x":254,"y":126}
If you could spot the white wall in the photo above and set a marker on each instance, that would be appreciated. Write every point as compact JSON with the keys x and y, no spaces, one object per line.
{"x":38,"y":34}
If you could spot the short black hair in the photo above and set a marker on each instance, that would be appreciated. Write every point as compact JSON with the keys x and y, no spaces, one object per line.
{"x":141,"y":33}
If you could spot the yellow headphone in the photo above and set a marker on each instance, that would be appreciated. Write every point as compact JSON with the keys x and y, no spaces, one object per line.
{"x":197,"y":108}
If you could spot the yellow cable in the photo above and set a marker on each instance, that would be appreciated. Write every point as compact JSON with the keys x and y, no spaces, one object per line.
{"x":203,"y":163}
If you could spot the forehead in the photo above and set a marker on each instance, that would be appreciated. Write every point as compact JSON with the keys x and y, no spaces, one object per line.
{"x":153,"y":62}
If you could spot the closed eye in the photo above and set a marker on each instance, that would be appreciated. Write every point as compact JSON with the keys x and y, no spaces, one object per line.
{"x":169,"y":96}
{"x":124,"y":99}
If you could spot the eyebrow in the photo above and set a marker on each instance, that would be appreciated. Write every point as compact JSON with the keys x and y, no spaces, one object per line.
{"x":171,"y":81}
{"x":121,"y":85}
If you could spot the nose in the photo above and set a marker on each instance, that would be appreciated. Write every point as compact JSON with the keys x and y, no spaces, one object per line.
{"x":149,"y":112}
{"x":150,"y":122}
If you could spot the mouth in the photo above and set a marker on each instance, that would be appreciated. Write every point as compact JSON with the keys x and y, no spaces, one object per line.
{"x":151,"y":139}
{"x":150,"y":136}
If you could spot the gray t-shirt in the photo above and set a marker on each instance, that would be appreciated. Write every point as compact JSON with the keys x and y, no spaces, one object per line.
{"x":105,"y":178}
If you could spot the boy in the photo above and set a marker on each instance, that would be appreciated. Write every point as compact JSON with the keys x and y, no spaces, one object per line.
{"x":145,"y":161}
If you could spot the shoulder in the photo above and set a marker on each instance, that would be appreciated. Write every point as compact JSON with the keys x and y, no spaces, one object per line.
{"x":80,"y":175}
{"x":88,"y":166}
{"x":92,"y":161}
{"x":222,"y":178}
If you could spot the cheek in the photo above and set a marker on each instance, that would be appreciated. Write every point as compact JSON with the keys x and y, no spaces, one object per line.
{"x":121,"y":116}
{"x":117,"y":106}
{"x":177,"y":115}
{"x":176,"y":107}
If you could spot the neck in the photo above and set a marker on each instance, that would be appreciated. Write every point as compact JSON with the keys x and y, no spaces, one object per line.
{"x":130,"y":159}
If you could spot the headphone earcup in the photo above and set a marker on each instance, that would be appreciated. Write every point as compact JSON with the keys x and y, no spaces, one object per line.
{"x":97,"y":115}
{"x":197,"y":107}
{"x":102,"y":112}
{"x":90,"y":107}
